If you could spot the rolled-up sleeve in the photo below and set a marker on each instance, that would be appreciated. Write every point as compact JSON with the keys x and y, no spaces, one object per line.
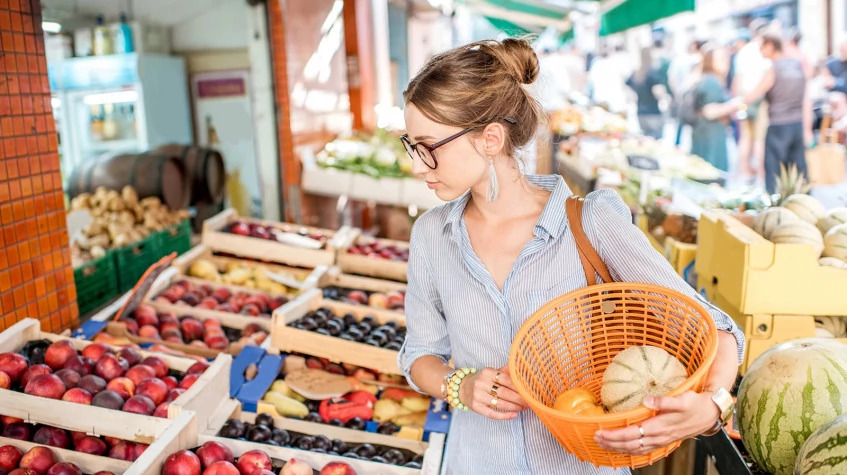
{"x":426,"y":328}
{"x":631,"y":258}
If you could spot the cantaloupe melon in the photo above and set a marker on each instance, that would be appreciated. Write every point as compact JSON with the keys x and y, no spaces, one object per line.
{"x":789,"y":391}
{"x":798,"y":232}
{"x":834,"y":325}
{"x":805,"y":207}
{"x":825,"y":451}
{"x":771,"y":218}
{"x":835,"y":242}
{"x":832,"y":262}
{"x":833,"y":218}
{"x":638,"y":372}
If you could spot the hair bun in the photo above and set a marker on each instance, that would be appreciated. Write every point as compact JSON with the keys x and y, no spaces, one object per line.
{"x":519,"y":58}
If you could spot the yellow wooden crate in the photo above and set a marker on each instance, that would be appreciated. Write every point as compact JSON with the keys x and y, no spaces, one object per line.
{"x":641,"y":222}
{"x":740,"y":269}
{"x":679,"y":254}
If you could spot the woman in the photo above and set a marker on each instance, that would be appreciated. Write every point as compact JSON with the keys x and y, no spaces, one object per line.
{"x":647,"y":85}
{"x":483,"y":263}
{"x":709,"y":133}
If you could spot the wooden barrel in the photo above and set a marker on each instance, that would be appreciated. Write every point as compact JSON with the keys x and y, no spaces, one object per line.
{"x":205,"y":170}
{"x":150,"y":174}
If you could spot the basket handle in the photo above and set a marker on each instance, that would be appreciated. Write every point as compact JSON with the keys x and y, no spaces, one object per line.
{"x":592,"y":263}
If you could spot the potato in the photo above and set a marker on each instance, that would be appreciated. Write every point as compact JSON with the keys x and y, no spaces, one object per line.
{"x":97,"y":252}
{"x":101,"y":240}
{"x":81,"y":201}
{"x":122,"y":240}
{"x":138,"y":212}
{"x":150,"y":201}
{"x":116,"y":203}
{"x":129,"y":196}
{"x":94,"y":228}
{"x":82,"y":241}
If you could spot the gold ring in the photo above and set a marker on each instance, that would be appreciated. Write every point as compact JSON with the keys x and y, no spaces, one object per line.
{"x":494,"y":402}
{"x":641,"y":441}
{"x":497,"y":377}
{"x":494,"y":389}
{"x":641,"y":431}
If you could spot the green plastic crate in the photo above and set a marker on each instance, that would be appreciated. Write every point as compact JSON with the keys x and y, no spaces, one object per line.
{"x":133,"y":261}
{"x":96,"y":283}
{"x":176,"y":239}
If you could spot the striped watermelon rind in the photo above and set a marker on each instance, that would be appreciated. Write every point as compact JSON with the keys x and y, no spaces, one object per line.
{"x":825,"y":451}
{"x":789,"y":391}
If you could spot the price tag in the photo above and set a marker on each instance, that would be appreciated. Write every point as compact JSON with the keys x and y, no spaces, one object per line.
{"x":642,"y":162}
{"x":317,"y":385}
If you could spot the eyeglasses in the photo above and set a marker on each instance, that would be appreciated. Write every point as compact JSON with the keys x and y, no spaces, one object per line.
{"x":427,"y":152}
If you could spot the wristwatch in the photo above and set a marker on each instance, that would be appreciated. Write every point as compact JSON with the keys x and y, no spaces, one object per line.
{"x":725,"y":403}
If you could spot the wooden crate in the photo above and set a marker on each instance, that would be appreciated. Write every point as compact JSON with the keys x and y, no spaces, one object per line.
{"x":171,"y":435}
{"x":290,"y":339}
{"x":335,"y":278}
{"x":309,"y":277}
{"x":433,"y":450}
{"x":218,"y":240}
{"x":739,"y":269}
{"x":370,"y":266}
{"x":204,"y":397}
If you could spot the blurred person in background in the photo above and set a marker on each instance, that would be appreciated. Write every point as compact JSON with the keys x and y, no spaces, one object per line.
{"x":741,"y":40}
{"x":791,"y":48}
{"x":837,"y":66}
{"x":553,"y":85}
{"x":749,"y":68}
{"x":712,"y":102}
{"x":606,"y":79}
{"x":789,"y":110}
{"x":682,"y":75}
{"x":647,"y":84}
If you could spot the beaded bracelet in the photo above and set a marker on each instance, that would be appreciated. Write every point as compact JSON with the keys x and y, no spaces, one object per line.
{"x":453,"y":387}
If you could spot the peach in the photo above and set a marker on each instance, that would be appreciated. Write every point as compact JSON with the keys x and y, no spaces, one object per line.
{"x":108,"y":399}
{"x":192,"y":329}
{"x":78,"y":395}
{"x":221,"y":468}
{"x":139,"y":373}
{"x":252,"y":460}
{"x":83,"y":365}
{"x":173,"y":394}
{"x":296,"y":467}
{"x":110,"y":367}
{"x":10,"y":456}
{"x":58,"y":353}
{"x":146,"y":315}
{"x":149,"y":331}
{"x":212,"y":452}
{"x":33,"y":371}
{"x":64,"y":468}
{"x":46,"y":385}
{"x":13,"y":365}
{"x":183,"y":462}
{"x":139,"y":405}
{"x":23,"y":471}
{"x":93,"y":384}
{"x":158,"y":365}
{"x":162,"y":410}
{"x":123,"y":450}
{"x":5,"y":381}
{"x":69,"y":377}
{"x":52,"y":436}
{"x":91,"y":445}
{"x":131,"y":355}
{"x":17,"y":431}
{"x":123,"y":386}
{"x":171,"y":381}
{"x":188,"y":381}
{"x":131,"y":325}
{"x":337,"y":468}
{"x":153,"y":388}
{"x":198,"y":368}
{"x":39,"y":459}
{"x":95,"y":350}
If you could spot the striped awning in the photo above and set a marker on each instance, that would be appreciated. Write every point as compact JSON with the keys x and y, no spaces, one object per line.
{"x":631,"y":13}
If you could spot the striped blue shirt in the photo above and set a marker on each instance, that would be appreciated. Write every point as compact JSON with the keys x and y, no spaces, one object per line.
{"x":455,"y":310}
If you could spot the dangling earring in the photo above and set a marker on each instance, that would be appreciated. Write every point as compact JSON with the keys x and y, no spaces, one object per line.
{"x":493,"y":185}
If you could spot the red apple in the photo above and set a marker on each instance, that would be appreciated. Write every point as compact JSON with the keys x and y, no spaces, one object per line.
{"x":173,"y":394}
{"x":337,"y":468}
{"x":108,"y":399}
{"x":39,"y":459}
{"x":251,"y":460}
{"x":123,"y":450}
{"x":93,"y":384}
{"x":139,"y":405}
{"x":221,"y":468}
{"x":153,"y":388}
{"x":110,"y":367}
{"x":198,"y":368}
{"x":33,"y":371}
{"x":13,"y":365}
{"x":171,"y":381}
{"x":296,"y":467}
{"x":81,"y":364}
{"x":140,"y":372}
{"x":212,"y":452}
{"x":58,"y":353}
{"x":188,"y":380}
{"x":157,"y":364}
{"x":10,"y":456}
{"x":95,"y":350}
{"x":131,"y":355}
{"x":183,"y":462}
{"x":5,"y":381}
{"x":162,"y":410}
{"x":64,"y":468}
{"x":91,"y":445}
{"x":18,"y":431}
{"x":123,"y":386}
{"x":52,"y":436}
{"x":78,"y":395}
{"x":192,"y":329}
{"x":46,"y":385}
{"x":69,"y":377}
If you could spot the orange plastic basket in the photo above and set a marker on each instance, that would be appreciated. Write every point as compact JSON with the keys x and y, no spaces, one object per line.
{"x":569,"y":342}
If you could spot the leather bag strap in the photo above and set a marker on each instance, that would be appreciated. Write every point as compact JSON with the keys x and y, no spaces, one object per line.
{"x":592,"y":263}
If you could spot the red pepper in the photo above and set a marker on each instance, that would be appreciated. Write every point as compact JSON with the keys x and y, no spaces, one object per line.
{"x":362,"y":397}
{"x":344,"y":410}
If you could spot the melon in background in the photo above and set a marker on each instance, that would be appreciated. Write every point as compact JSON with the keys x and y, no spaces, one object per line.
{"x":638,"y":372}
{"x":805,"y":207}
{"x":798,"y":232}
{"x":835,"y":242}
{"x":832,"y":219}
{"x":787,"y":393}
{"x":832,"y":262}
{"x":772,"y":218}
{"x":825,"y":451}
{"x":835,"y":326}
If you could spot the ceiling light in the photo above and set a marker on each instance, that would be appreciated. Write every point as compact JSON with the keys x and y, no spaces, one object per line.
{"x":51,"y":27}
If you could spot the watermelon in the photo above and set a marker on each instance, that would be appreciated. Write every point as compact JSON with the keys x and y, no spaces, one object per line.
{"x":771,"y":218}
{"x":825,"y":451}
{"x":789,"y":391}
{"x":835,"y":242}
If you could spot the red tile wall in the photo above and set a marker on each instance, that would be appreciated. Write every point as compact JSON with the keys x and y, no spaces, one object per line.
{"x":36,"y":278}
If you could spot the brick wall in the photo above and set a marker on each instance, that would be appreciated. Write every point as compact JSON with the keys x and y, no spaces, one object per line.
{"x":36,"y":278}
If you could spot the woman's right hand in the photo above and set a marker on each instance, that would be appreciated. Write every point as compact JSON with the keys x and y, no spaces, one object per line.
{"x":476,"y":393}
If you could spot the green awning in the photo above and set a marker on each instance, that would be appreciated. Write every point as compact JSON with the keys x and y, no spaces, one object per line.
{"x":508,"y":27}
{"x":530,"y":15}
{"x":566,"y":36}
{"x":632,"y":13}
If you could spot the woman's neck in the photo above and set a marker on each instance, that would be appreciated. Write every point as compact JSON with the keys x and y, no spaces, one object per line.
{"x":516,"y":195}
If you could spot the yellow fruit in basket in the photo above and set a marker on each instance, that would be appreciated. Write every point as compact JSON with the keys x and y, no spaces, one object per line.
{"x":799,"y":232}
{"x":638,"y":372}
{"x":833,"y":218}
{"x":203,"y":269}
{"x":575,"y":400}
{"x":805,"y":207}
{"x":835,"y":242}
{"x":286,"y":406}
{"x":772,"y":218}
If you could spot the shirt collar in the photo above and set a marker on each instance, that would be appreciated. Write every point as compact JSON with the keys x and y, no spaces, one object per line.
{"x":552,"y":221}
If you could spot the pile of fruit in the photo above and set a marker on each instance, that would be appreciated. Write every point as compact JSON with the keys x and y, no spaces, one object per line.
{"x":40,"y":460}
{"x":284,"y":233}
{"x":119,"y":219}
{"x":373,"y":248}
{"x":393,"y":300}
{"x":324,"y":321}
{"x":97,"y":376}
{"x":147,"y":323}
{"x":186,"y":293}
{"x":380,"y":155}
{"x":14,"y":428}
{"x":214,"y":458}
{"x":263,"y":431}
{"x":253,"y":276}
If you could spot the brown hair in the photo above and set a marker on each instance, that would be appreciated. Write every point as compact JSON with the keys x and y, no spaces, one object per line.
{"x":772,"y":39}
{"x":708,"y":64}
{"x":480,"y":83}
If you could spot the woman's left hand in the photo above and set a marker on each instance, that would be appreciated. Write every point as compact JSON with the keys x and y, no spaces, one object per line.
{"x":679,"y":418}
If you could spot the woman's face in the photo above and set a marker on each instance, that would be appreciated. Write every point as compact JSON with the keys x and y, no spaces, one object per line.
{"x":721,"y":61}
{"x":460,"y":166}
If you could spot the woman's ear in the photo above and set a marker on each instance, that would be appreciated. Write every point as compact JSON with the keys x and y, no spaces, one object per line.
{"x":493,"y":139}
